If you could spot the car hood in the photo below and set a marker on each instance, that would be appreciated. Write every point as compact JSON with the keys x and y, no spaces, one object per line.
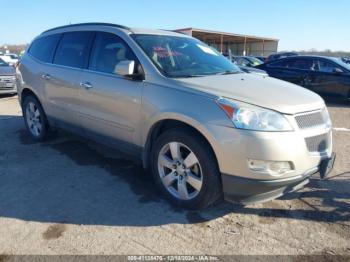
{"x":258,"y":90}
{"x":7,"y":70}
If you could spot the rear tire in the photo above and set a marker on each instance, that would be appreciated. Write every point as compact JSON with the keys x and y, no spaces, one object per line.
{"x":185,"y":169}
{"x":35,"y":119}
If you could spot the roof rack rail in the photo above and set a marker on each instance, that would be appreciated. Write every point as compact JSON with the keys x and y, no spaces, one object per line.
{"x":87,"y":24}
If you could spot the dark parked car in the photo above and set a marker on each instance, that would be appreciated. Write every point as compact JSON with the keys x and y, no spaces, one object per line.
{"x":261,"y":58}
{"x":249,"y":61}
{"x":323,"y":75}
{"x":281,"y":55}
{"x":346,"y":59}
{"x":247,"y":64}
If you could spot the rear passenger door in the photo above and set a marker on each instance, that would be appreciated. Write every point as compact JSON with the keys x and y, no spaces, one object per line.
{"x":303,"y":72}
{"x":63,"y":77}
{"x":110,"y":104}
{"x":280,"y":69}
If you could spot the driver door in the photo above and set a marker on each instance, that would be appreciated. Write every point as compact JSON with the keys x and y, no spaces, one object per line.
{"x":111,"y":103}
{"x":330,"y":82}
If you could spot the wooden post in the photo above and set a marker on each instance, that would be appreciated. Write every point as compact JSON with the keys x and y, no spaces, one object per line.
{"x":245,"y":45}
{"x":222,"y":43}
{"x":263,"y":47}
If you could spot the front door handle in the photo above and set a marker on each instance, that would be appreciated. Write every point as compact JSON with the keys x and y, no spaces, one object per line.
{"x":46,"y":76}
{"x":86,"y":85}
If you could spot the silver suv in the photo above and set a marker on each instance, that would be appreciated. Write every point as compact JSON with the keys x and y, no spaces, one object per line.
{"x":204,"y":128}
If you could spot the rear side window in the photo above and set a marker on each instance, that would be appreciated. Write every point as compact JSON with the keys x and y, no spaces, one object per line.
{"x":73,"y":49}
{"x":43,"y":48}
{"x":281,"y":63}
{"x":108,"y":51}
{"x":304,"y":64}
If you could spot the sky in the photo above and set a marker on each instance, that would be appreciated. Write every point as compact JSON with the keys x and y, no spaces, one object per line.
{"x":299,"y":24}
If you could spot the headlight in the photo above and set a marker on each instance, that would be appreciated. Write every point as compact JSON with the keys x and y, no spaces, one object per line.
{"x":246,"y":116}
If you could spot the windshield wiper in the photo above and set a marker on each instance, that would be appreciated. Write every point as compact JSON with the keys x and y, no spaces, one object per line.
{"x":188,"y":76}
{"x":228,"y":73}
{"x":209,"y":74}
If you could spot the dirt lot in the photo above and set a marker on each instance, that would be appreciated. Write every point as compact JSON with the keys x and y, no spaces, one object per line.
{"x":66,"y":196}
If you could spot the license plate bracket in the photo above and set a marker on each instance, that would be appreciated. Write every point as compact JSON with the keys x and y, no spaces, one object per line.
{"x":326,"y":166}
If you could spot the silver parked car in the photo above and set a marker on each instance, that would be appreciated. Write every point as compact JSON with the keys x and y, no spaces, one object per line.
{"x":202,"y":127}
{"x":7,"y":78}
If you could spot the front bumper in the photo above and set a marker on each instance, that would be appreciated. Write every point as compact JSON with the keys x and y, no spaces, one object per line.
{"x":246,"y":191}
{"x":234,"y":147}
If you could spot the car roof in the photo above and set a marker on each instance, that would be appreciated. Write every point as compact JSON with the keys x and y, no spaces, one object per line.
{"x":312,"y":56}
{"x":334,"y":59}
{"x":284,"y":53}
{"x":126,"y":29}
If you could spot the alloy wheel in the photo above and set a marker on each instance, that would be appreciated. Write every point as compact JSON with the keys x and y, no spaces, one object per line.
{"x":34,"y":120}
{"x":180,"y":171}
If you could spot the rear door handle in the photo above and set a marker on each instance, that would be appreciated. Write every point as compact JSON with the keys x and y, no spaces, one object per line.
{"x":46,"y":76}
{"x":86,"y":85}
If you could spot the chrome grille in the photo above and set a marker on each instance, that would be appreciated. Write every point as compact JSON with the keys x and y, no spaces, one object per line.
{"x":312,"y":119}
{"x":7,"y":79}
{"x":7,"y":82}
{"x":318,"y":143}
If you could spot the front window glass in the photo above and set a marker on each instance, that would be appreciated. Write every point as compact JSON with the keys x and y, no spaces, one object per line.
{"x":184,"y":57}
{"x":327,"y":67}
{"x":3,"y":63}
{"x":108,"y":51}
{"x":12,"y":56}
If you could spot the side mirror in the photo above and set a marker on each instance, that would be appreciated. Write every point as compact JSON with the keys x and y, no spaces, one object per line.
{"x":338,"y":71}
{"x":125,"y":68}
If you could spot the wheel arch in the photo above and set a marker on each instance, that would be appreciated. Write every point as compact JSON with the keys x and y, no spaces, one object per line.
{"x":164,"y":124}
{"x":27,"y":92}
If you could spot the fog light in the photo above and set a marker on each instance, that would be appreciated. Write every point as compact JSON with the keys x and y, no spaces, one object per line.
{"x":274,"y":168}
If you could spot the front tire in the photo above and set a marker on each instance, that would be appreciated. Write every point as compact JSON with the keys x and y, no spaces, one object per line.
{"x":35,"y":119}
{"x":185,"y":169}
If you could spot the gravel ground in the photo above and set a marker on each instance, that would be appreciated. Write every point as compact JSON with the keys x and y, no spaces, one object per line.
{"x":69,"y":196}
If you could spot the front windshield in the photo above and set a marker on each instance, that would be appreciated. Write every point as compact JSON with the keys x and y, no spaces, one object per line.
{"x":183,"y":56}
{"x":3,"y":63}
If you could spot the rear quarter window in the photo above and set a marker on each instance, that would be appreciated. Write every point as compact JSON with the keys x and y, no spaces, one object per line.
{"x":43,"y":48}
